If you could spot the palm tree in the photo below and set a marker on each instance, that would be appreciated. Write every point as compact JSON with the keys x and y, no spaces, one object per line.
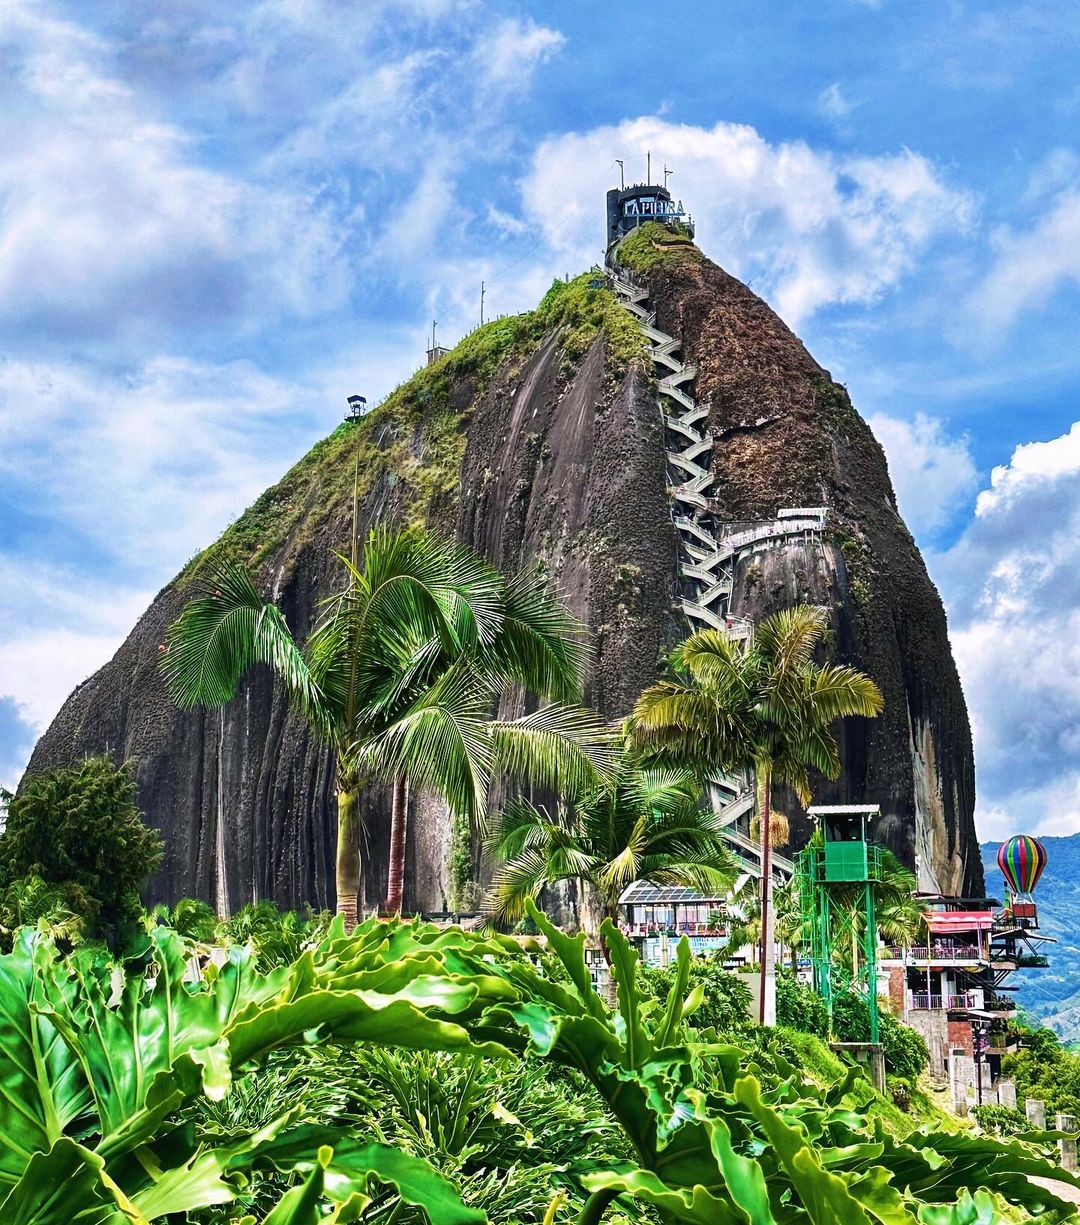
{"x":643,"y":823}
{"x":764,"y":704}
{"x":400,"y":678}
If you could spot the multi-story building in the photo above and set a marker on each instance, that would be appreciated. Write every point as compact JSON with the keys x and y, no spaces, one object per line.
{"x":953,"y":989}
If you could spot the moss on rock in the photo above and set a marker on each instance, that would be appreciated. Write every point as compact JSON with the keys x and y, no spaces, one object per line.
{"x":651,"y":244}
{"x":415,"y":435}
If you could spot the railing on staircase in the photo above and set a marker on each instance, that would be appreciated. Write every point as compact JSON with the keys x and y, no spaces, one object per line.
{"x":707,"y":550}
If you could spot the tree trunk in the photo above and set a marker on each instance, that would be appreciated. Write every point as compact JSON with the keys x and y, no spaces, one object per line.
{"x":399,"y":820}
{"x":767,"y":979}
{"x":347,"y":875}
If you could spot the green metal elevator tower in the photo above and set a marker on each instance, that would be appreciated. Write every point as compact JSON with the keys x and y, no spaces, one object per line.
{"x":836,"y":874}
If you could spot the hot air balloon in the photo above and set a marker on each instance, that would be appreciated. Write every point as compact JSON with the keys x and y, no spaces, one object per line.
{"x":1021,"y":860}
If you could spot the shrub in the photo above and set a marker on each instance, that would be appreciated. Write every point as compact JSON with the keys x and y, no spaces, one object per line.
{"x":191,"y":918}
{"x":726,"y":1006}
{"x":905,"y":1051}
{"x":32,"y":902}
{"x":799,"y":1006}
{"x":277,"y":937}
{"x":1001,"y":1120}
{"x":79,"y":829}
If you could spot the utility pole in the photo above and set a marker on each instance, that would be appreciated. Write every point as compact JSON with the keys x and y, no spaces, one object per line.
{"x":481,"y":303}
{"x":666,"y":173}
{"x":648,"y":167}
{"x":622,"y":174}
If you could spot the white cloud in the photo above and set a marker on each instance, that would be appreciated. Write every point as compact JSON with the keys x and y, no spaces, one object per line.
{"x":1033,"y":464}
{"x":832,"y":103}
{"x":1060,"y":168}
{"x":111,"y":223}
{"x":933,"y":474}
{"x":1029,"y":266}
{"x":1012,"y":587}
{"x":513,"y":49}
{"x":808,"y":227}
{"x":57,"y":625}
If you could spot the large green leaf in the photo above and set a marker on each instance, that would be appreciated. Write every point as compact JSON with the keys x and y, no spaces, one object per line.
{"x":349,"y":1165}
{"x":697,"y":1204}
{"x":42,"y":1087}
{"x":162,"y":1042}
{"x":65,"y":1186}
{"x":824,"y":1195}
{"x":977,"y":1209}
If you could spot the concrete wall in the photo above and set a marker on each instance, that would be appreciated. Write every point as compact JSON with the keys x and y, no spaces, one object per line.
{"x":932,"y":1026}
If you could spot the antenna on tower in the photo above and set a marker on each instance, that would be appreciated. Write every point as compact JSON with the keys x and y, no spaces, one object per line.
{"x":648,"y":167}
{"x":666,"y":173}
{"x":622,"y":174}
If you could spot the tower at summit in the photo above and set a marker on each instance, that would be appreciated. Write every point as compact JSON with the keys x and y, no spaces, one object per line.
{"x":628,"y":207}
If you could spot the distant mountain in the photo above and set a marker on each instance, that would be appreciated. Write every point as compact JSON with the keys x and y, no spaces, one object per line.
{"x":1051,"y":996}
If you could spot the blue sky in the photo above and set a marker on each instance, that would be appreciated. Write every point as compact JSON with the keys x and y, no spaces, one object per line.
{"x":216,"y":221}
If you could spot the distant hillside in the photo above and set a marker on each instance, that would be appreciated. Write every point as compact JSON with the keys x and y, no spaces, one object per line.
{"x":1051,"y":996}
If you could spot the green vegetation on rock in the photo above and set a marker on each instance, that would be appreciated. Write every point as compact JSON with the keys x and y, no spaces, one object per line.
{"x":415,"y":435}
{"x":654,"y":243}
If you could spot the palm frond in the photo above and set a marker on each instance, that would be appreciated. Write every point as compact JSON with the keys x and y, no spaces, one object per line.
{"x":441,"y":741}
{"x":837,"y":691}
{"x":567,"y":749}
{"x":541,"y":644}
{"x":220,"y":635}
{"x":622,"y":869}
{"x":788,"y":638}
{"x":519,"y":825}
{"x":526,"y":876}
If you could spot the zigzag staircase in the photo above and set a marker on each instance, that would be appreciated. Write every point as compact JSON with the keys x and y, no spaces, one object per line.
{"x":706,"y":560}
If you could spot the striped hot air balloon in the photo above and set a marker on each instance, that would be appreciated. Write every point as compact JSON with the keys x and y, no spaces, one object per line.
{"x":1021,"y":860}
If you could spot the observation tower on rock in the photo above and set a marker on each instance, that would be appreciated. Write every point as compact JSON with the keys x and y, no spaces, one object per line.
{"x":629,"y":207}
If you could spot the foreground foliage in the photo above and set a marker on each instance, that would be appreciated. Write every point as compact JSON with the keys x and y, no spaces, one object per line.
{"x":97,"y":1074}
{"x":406,"y":1073}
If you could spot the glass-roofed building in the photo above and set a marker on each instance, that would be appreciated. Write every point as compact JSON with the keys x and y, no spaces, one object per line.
{"x":654,"y":916}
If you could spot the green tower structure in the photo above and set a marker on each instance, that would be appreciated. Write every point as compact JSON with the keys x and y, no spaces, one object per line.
{"x":836,"y":874}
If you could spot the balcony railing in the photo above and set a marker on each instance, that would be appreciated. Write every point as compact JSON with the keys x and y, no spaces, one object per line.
{"x":923,"y":1000}
{"x":942,"y":951}
{"x":672,"y":929}
{"x":966,"y":999}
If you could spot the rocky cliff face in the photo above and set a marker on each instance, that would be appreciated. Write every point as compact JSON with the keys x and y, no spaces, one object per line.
{"x":539,"y":440}
{"x":786,"y":435}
